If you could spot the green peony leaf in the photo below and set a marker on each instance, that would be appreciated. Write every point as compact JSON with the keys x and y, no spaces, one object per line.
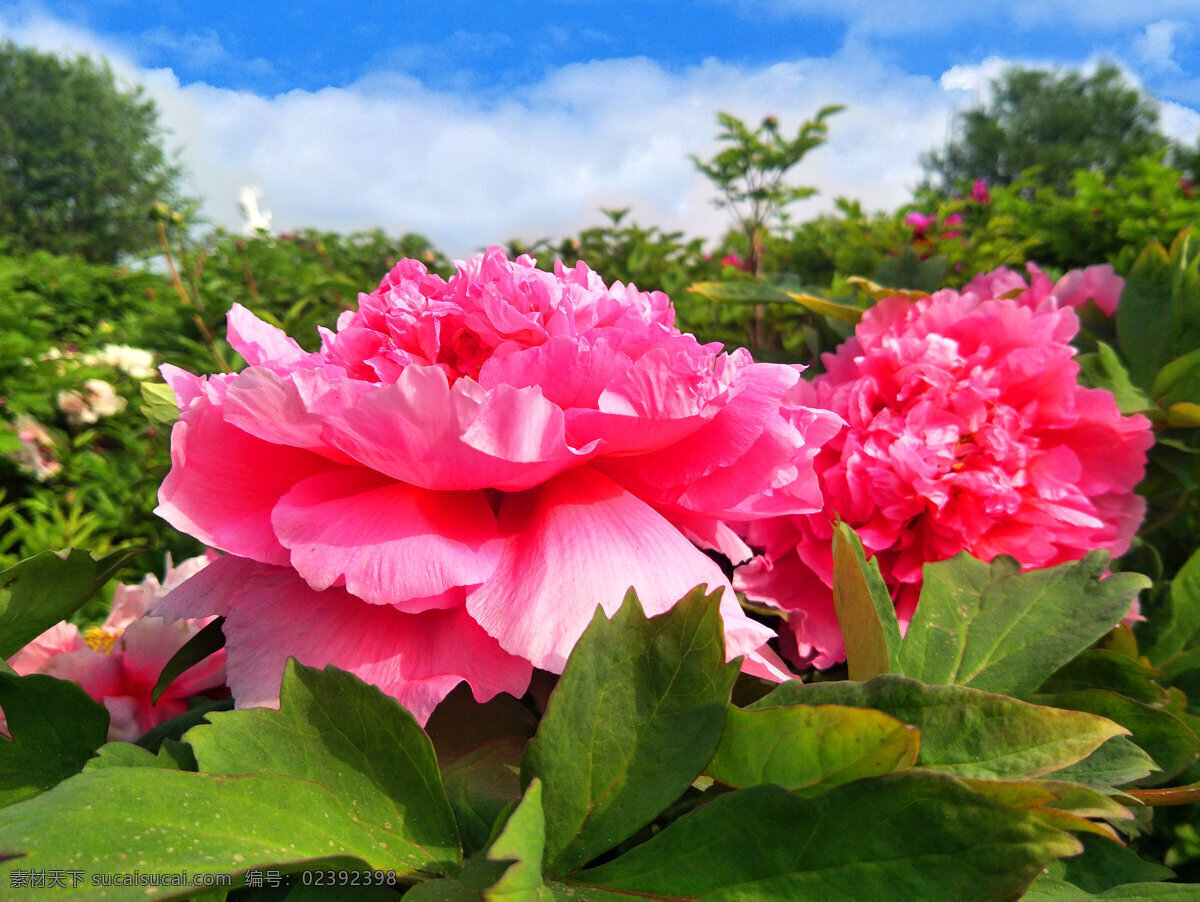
{"x":1117,"y":762}
{"x":1105,"y":370}
{"x":864,"y":609}
{"x":966,"y":732}
{"x":991,"y":627}
{"x":1104,"y":865}
{"x":634,"y":719}
{"x":142,"y":818}
{"x":55,"y":727}
{"x":480,"y":786}
{"x":523,"y":841}
{"x":38,"y":592}
{"x":904,"y":836}
{"x":1166,"y":738}
{"x":361,"y":745}
{"x":810,"y":749}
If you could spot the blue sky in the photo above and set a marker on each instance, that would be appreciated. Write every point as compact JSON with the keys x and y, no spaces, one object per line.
{"x":476,"y":122}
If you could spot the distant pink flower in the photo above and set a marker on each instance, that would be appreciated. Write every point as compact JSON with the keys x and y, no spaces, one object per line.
{"x":967,"y":430}
{"x":735,"y":261}
{"x":466,"y":469}
{"x":952,"y":220}
{"x":919,"y":222}
{"x":118,"y":663}
{"x":979,"y":192}
{"x":1099,"y":284}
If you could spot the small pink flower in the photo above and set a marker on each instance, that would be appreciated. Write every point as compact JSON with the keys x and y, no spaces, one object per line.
{"x":967,"y":430}
{"x":118,"y":663}
{"x":735,"y":261}
{"x":466,"y":469}
{"x":919,"y":222}
{"x":952,"y":220}
{"x":979,"y":192}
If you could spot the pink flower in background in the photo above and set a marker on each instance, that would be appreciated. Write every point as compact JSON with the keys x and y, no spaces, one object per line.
{"x":919,"y":222}
{"x":979,"y":192}
{"x":118,"y":663}
{"x":466,"y":469}
{"x":1099,"y":284}
{"x":967,"y":430}
{"x":735,"y":261}
{"x":953,"y":219}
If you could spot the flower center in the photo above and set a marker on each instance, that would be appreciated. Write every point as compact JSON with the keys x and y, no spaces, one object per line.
{"x":101,"y":639}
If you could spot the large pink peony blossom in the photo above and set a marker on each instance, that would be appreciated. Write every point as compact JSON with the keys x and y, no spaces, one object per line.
{"x":118,"y":663}
{"x":466,"y":469}
{"x":967,"y":430}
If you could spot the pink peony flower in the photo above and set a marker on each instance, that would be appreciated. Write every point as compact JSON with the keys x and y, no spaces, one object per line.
{"x":466,"y":469}
{"x":919,"y":222}
{"x":979,"y":192}
{"x":735,"y":261}
{"x":1095,"y":283}
{"x":967,"y":430}
{"x":118,"y":663}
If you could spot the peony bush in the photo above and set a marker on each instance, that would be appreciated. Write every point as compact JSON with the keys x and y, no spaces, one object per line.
{"x":472,"y":597}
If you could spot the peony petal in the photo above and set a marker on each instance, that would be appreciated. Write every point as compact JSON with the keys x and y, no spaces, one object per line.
{"x":577,"y":542}
{"x":212,"y":591}
{"x":61,"y":638}
{"x":223,"y":484}
{"x":414,"y":432}
{"x":262,"y":344}
{"x":417,"y":658}
{"x":391,"y":543}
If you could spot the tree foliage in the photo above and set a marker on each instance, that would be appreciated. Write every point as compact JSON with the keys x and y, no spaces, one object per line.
{"x":81,"y":158}
{"x":750,"y":171}
{"x":1060,"y":121}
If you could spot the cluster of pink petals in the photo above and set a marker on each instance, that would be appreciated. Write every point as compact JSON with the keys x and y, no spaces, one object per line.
{"x":1099,"y":284}
{"x":118,"y":663}
{"x":967,"y":430}
{"x":449,"y":487}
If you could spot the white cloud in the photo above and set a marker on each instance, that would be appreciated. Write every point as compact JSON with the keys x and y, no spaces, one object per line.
{"x":1156,"y":45}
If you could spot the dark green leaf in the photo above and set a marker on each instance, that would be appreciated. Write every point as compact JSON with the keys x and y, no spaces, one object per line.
{"x":1166,"y":738}
{"x":480,"y":786}
{"x":991,"y":627}
{"x":142,"y":818}
{"x":905,"y":836}
{"x":40,"y":591}
{"x":1105,"y":864}
{"x":1149,"y":317}
{"x":634,"y":719}
{"x":1099,"y":668}
{"x":55,"y":727}
{"x":207,"y":641}
{"x":177,"y":726}
{"x":1117,"y":762}
{"x":966,"y":732}
{"x":337,"y":731}
{"x":864,"y":609}
{"x":1181,"y":627}
{"x":810,"y":749}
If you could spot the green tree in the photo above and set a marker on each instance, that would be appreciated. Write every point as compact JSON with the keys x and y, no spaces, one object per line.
{"x":81,"y":158}
{"x":750,"y":172}
{"x":1057,"y":120}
